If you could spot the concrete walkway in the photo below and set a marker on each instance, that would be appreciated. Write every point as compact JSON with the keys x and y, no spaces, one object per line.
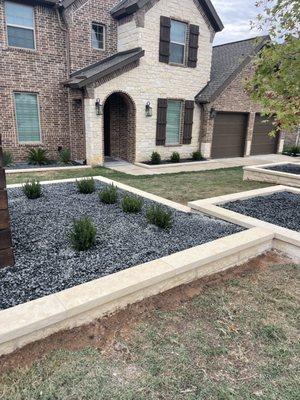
{"x":132,"y":169}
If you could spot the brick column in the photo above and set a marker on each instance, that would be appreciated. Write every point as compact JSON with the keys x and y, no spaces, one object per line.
{"x":6,"y":253}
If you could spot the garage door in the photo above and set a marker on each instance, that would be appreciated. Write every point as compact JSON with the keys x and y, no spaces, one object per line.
{"x":229,"y":135}
{"x":262,"y":143}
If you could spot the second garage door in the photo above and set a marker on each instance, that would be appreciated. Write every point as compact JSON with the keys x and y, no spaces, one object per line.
{"x":230,"y":130}
{"x":262,"y":143}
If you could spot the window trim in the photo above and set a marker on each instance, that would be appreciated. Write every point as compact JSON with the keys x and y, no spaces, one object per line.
{"x":185,"y":44}
{"x":104,"y":36}
{"x":27,"y":142}
{"x":21,"y":26}
{"x":181,"y":101}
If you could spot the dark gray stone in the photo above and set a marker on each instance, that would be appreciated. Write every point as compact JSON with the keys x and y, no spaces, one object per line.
{"x":45,"y":261}
{"x":281,"y":209}
{"x":290,"y":168}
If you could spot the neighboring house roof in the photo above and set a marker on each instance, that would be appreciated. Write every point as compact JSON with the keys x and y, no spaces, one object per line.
{"x":104,"y":67}
{"x":128,"y":7}
{"x":42,"y":2}
{"x":227,"y":61}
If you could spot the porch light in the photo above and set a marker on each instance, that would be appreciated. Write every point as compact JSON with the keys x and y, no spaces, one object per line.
{"x":99,"y":107}
{"x":213,"y":113}
{"x":148,"y":109}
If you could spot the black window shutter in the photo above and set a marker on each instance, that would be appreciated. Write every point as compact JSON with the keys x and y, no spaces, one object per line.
{"x":188,"y":121}
{"x":164,"y":43}
{"x":193,"y":46}
{"x":162,"y":106}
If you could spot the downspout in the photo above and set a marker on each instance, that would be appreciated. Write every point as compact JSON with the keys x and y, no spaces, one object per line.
{"x":68,"y":64}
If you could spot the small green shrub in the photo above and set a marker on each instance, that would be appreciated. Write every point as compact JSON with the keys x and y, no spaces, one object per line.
{"x":64,"y":156}
{"x":37,"y":156}
{"x":109,"y":195}
{"x":86,"y":185}
{"x":132,"y":204}
{"x":155,"y":158}
{"x":156,"y":215}
{"x":175,"y":157}
{"x":7,"y":158}
{"x":83,"y":234}
{"x":294,"y":150}
{"x":197,"y":156}
{"x":32,"y":189}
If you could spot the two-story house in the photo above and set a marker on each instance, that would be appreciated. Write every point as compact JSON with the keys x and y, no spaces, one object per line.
{"x":123,"y":79}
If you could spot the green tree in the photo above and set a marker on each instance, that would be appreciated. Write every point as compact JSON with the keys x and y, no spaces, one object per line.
{"x":276,"y":81}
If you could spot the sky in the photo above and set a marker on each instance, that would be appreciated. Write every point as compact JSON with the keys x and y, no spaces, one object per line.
{"x":236,"y":16}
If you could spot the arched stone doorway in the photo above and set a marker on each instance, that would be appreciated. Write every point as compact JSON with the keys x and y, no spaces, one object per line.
{"x":119,"y":127}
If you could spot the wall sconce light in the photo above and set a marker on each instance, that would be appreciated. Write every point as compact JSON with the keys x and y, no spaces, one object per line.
{"x":213,"y":113}
{"x":99,"y":107}
{"x":148,"y":109}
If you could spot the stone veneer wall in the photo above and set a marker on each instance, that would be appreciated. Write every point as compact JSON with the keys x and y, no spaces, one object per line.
{"x":6,"y":253}
{"x":234,"y":98}
{"x":151,"y":80}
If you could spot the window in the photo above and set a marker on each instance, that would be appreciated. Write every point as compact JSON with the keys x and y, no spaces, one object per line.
{"x":98,"y":36}
{"x":173,"y":128}
{"x":27,"y":117}
{"x":20,"y":25}
{"x":178,"y":42}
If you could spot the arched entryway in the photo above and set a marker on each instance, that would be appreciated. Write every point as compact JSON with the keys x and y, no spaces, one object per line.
{"x":119,"y":127}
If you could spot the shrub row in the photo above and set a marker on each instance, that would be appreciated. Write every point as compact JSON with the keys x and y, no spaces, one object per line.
{"x":38,"y":156}
{"x":83,"y":233}
{"x":155,"y":158}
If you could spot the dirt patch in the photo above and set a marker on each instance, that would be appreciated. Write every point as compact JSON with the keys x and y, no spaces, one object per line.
{"x":103,"y":333}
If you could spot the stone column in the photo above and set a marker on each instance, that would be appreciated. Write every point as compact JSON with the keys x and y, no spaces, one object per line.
{"x":93,"y":133}
{"x":6,"y":253}
{"x":249,"y":137}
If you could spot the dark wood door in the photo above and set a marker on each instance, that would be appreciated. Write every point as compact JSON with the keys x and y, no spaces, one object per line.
{"x":229,"y":136}
{"x":262,"y":142}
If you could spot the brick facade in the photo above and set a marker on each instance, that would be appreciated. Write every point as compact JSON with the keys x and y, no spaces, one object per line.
{"x":44,"y":71}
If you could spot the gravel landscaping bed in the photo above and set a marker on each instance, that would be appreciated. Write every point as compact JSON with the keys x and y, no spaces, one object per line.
{"x":45,"y":261}
{"x":281,"y":209}
{"x":289,"y":168}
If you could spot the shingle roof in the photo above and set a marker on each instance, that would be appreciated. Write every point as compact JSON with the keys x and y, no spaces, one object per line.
{"x":128,"y":7}
{"x":227,"y":61}
{"x":104,"y":67}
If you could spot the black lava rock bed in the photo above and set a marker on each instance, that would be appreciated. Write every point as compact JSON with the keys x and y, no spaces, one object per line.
{"x":281,"y":209}
{"x":289,"y":168}
{"x":45,"y":261}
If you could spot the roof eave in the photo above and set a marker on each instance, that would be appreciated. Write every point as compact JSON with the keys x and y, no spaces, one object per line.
{"x":103,"y":74}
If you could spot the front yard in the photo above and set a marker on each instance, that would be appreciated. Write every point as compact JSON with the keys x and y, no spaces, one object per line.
{"x":181,"y":187}
{"x":228,"y":337}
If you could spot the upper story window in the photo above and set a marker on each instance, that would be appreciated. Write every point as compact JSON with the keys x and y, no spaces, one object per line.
{"x":178,"y":38}
{"x":27,"y":117}
{"x":20,"y":25}
{"x":98,"y":36}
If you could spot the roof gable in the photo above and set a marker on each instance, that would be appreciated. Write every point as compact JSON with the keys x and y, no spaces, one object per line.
{"x":227,"y":61}
{"x":128,"y":7}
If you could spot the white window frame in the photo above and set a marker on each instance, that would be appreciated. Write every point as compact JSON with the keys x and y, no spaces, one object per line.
{"x":21,"y":26}
{"x":104,"y":36}
{"x":180,"y":123}
{"x":181,"y":44}
{"x":38,"y":142}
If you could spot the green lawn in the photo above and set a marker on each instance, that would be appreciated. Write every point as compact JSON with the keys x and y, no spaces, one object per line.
{"x":181,"y":187}
{"x":235,"y":339}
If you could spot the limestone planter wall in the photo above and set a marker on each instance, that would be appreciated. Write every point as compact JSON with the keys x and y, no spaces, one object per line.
{"x":285,"y":239}
{"x":81,"y":304}
{"x":260,"y":174}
